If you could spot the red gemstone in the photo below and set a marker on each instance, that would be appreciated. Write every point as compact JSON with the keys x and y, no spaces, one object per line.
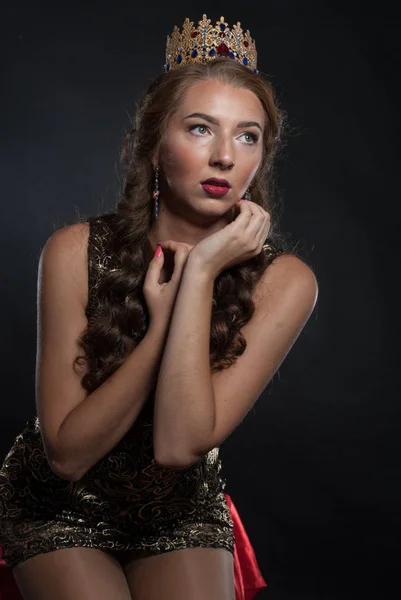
{"x":222,"y":34}
{"x":246,"y":44}
{"x":194,"y":34}
{"x":222,"y":49}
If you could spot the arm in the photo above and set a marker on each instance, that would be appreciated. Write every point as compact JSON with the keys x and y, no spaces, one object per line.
{"x":195,"y":410}
{"x":79,"y":429}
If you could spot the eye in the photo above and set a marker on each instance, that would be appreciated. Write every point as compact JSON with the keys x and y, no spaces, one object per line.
{"x":201,"y":128}
{"x":252,"y":138}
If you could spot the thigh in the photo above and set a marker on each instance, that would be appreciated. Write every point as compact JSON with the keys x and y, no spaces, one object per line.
{"x":72,"y":573}
{"x":196,"y":573}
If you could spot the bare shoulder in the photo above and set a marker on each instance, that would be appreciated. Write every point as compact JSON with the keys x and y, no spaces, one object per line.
{"x":65,"y":255}
{"x":287,"y":269}
{"x":288,"y":279}
{"x":68,"y":240}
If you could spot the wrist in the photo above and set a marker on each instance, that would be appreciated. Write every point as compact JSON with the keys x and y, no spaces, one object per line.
{"x":196,"y":267}
{"x":158,"y":330}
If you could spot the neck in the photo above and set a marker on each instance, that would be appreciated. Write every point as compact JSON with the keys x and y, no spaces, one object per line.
{"x":190,"y":228}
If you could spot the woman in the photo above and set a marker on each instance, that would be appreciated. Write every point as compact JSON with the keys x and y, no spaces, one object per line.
{"x":148,"y":360}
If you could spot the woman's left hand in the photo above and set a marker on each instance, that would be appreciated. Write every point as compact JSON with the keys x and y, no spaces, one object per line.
{"x":238,"y":241}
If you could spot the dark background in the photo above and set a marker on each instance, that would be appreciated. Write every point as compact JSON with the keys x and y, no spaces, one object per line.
{"x":314,"y":470}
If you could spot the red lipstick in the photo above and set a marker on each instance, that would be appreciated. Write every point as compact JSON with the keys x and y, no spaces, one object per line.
{"x":216,"y":187}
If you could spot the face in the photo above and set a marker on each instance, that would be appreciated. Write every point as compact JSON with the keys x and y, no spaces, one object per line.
{"x":216,"y":133}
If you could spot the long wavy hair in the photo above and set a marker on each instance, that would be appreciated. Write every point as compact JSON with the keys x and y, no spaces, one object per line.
{"x":122,"y":317}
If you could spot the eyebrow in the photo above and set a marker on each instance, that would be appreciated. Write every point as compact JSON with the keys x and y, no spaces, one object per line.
{"x":216,"y":122}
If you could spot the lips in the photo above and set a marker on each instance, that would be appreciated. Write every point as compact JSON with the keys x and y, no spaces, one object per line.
{"x":216,"y":187}
{"x":217,"y":182}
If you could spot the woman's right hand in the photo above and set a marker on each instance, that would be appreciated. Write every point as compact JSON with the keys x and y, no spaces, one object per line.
{"x":160,"y":297}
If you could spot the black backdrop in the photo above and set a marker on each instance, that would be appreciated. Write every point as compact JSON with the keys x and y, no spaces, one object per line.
{"x":314,"y":469}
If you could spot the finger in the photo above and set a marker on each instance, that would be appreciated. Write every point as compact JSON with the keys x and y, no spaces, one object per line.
{"x":168,"y":245}
{"x":264,"y":229}
{"x":173,"y":246}
{"x":259,"y":224}
{"x":244,"y":215}
{"x":180,"y":259}
{"x":154,"y":271}
{"x":256,"y":219}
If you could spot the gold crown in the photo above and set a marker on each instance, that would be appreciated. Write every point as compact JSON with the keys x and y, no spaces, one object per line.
{"x":205,"y":42}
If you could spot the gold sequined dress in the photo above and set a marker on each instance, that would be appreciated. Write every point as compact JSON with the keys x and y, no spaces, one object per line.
{"x":125,"y":502}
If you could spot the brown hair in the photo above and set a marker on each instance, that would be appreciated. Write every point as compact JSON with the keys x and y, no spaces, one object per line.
{"x":120,"y":324}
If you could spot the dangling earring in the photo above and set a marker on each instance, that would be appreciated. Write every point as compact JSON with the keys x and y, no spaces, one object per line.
{"x":156,"y":192}
{"x":247,"y":195}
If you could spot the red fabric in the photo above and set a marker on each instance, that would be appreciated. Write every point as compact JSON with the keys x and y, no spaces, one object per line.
{"x":247,"y":577}
{"x":8,"y":587}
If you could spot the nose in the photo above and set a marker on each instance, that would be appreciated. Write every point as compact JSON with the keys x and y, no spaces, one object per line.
{"x":222,"y":153}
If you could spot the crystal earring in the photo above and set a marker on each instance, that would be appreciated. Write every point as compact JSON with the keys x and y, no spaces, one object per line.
{"x":247,"y":195}
{"x":156,"y":192}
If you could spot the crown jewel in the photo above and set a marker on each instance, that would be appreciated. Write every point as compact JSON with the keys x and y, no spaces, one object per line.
{"x":206,"y":42}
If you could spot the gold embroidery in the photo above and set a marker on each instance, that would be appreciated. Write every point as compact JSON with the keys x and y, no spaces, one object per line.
{"x":126,"y":502}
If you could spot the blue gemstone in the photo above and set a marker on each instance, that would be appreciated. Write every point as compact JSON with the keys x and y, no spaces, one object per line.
{"x":245,"y":61}
{"x":194,"y":53}
{"x":222,"y":26}
{"x":179,"y":58}
{"x":232,"y":55}
{"x":168,"y":67}
{"x":212,"y":52}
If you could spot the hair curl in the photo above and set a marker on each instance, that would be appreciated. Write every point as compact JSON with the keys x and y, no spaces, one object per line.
{"x":122,"y":316}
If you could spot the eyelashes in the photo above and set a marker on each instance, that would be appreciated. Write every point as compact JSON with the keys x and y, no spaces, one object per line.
{"x":197,"y":126}
{"x":254,"y":137}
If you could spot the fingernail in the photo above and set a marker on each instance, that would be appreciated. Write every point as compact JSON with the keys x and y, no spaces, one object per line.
{"x":158,"y":252}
